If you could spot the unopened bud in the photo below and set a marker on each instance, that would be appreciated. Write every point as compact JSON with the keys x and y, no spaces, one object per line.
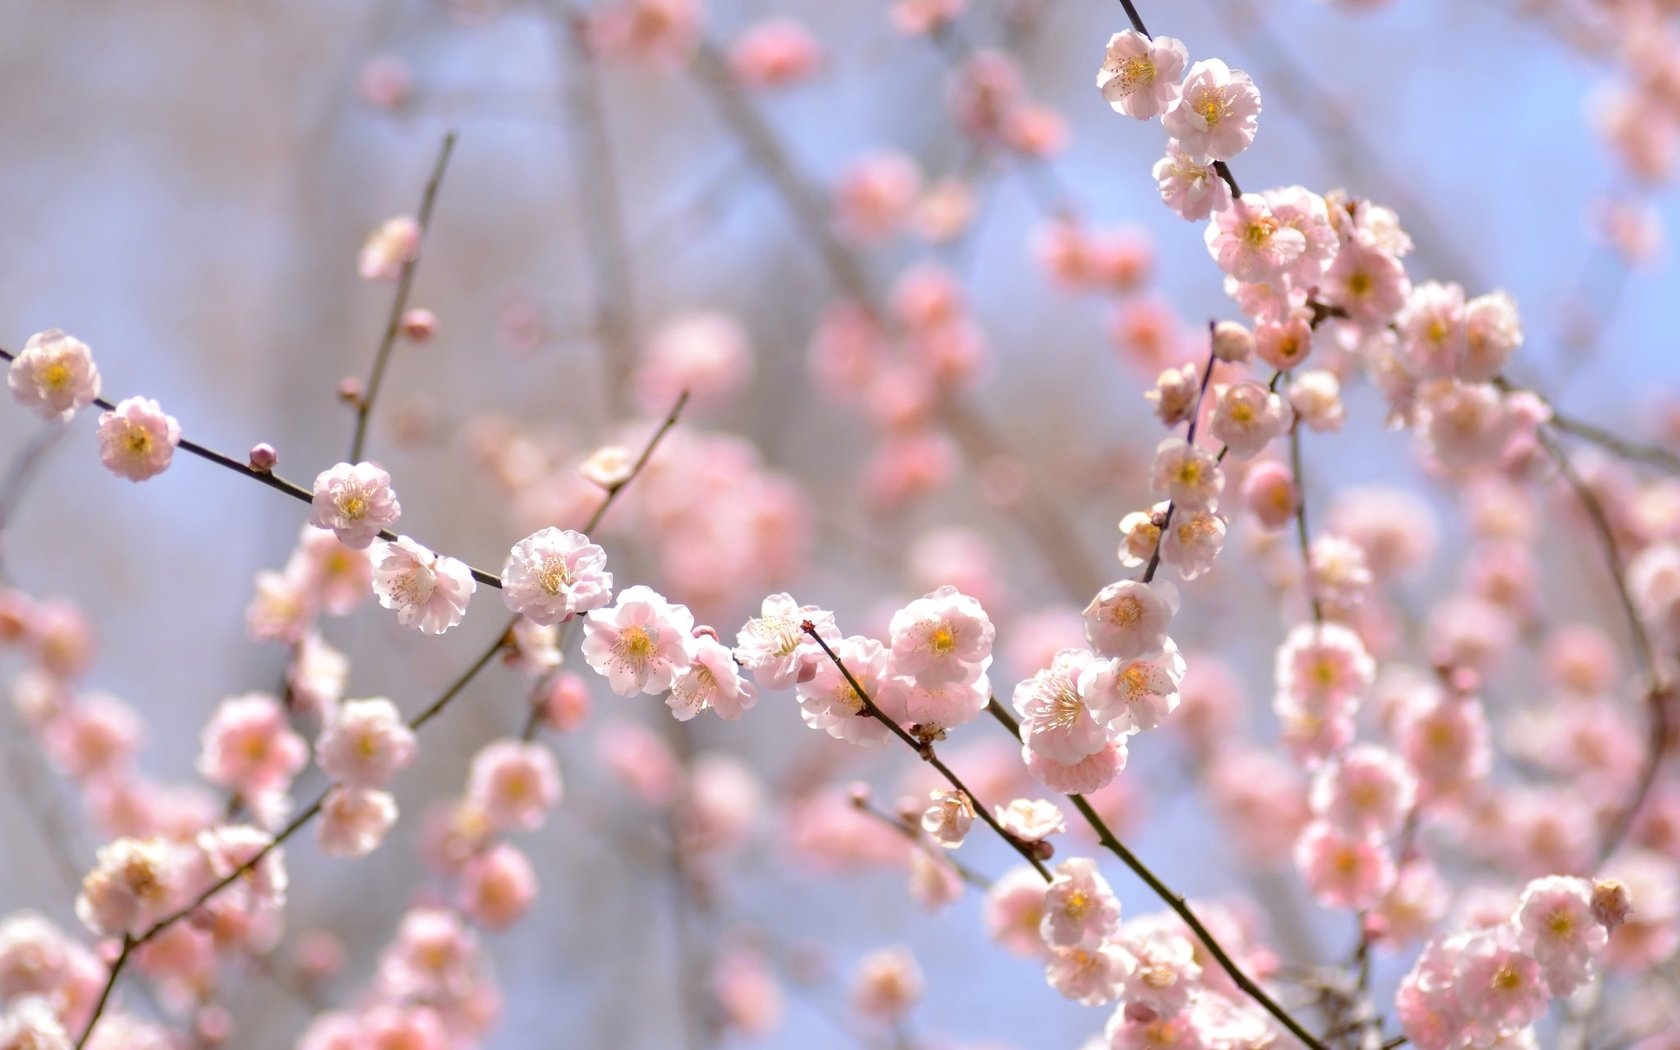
{"x":419,"y":324}
{"x":350,"y":390}
{"x":1611,"y":902}
{"x":263,"y":458}
{"x":1232,"y":342}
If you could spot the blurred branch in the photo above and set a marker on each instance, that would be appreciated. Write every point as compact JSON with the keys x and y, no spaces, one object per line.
{"x":1658,"y":690}
{"x":399,"y":302}
{"x":595,"y":177}
{"x":20,"y":472}
{"x":1302,"y":538}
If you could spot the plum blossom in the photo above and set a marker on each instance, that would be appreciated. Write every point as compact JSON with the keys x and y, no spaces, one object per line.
{"x":497,"y":887}
{"x":1089,"y":975}
{"x":1030,"y":819}
{"x":354,"y":821}
{"x":53,"y":375}
{"x":1164,"y":971}
{"x":1139,"y":75}
{"x":1080,"y":910}
{"x":248,"y":746}
{"x":939,"y":637}
{"x":515,"y":782}
{"x":1248,"y":417}
{"x":1055,"y":723}
{"x":1130,"y":696}
{"x":1555,"y":924}
{"x":948,"y":817}
{"x":641,"y":644}
{"x":552,"y":575}
{"x":712,"y":682}
{"x":1250,"y":243}
{"x":428,"y":591}
{"x":1186,"y":474}
{"x":775,"y":647}
{"x":355,"y":501}
{"x":1129,"y":618}
{"x":1343,"y":871}
{"x":888,"y":984}
{"x":828,"y":701}
{"x":1193,"y":542}
{"x":1190,"y":185}
{"x":365,"y":744}
{"x":137,"y":439}
{"x":1216,"y":112}
{"x":130,"y":886}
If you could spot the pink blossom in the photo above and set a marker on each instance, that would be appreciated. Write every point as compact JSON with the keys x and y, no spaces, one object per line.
{"x":517,"y":783}
{"x":247,"y":746}
{"x":1189,"y":184}
{"x":940,"y":637}
{"x":1498,"y":985}
{"x":365,"y":744}
{"x":642,"y":761}
{"x":1055,"y":723}
{"x":775,"y":52}
{"x":746,"y":993}
{"x":1316,"y":396}
{"x":1164,"y":971}
{"x":95,"y":736}
{"x":1250,"y":243}
{"x":888,"y":984}
{"x":281,"y":610}
{"x":428,"y":591}
{"x":1285,"y":342}
{"x":1128,"y":618}
{"x":724,"y":805}
{"x":553,"y":575}
{"x":924,"y":16}
{"x":1269,"y":494}
{"x":31,"y":1024}
{"x":316,"y":677}
{"x":774,"y":646}
{"x":1030,"y":820}
{"x":938,"y":707}
{"x":1088,"y":774}
{"x":1216,"y":112}
{"x":948,"y":817}
{"x":876,"y":195}
{"x":1131,"y":696}
{"x":712,"y":682}
{"x":1248,"y":417}
{"x":1445,"y":740}
{"x":1322,"y":666}
{"x":333,"y":577}
{"x":1366,"y":281}
{"x":1186,"y":474}
{"x":53,"y":375}
{"x":497,"y":887}
{"x":1079,"y":908}
{"x":1367,"y":790}
{"x":132,"y":884}
{"x":661,"y":33}
{"x":1433,"y":338}
{"x":1139,"y":75}
{"x":1556,"y":925}
{"x":1343,"y":871}
{"x":1492,"y":334}
{"x":641,"y":643}
{"x":137,"y":440}
{"x":1193,"y":542}
{"x":355,"y":501}
{"x":1175,"y":395}
{"x":389,"y":248}
{"x":706,"y":354}
{"x":1090,"y":975}
{"x":354,"y":821}
{"x":828,"y":701}
{"x":1014,"y":909}
{"x":231,"y":848}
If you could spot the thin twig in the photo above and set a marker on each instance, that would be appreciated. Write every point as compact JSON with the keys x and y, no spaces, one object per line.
{"x":1149,"y":570}
{"x":1302,"y":538}
{"x":399,"y":303}
{"x":918,"y":839}
{"x":1112,"y":843}
{"x":925,"y":751}
{"x":1657,"y":690}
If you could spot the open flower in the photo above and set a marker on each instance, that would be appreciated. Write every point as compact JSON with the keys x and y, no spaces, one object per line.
{"x":552,"y":575}
{"x":137,"y":439}
{"x":641,"y":643}
{"x":53,"y":375}
{"x":428,"y":591}
{"x":1139,"y":74}
{"x":355,"y":501}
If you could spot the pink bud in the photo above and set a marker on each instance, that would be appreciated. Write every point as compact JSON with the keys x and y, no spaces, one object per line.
{"x":263,"y":458}
{"x":350,"y":390}
{"x":566,"y":707}
{"x":1611,"y":902}
{"x":1232,"y":342}
{"x":419,"y":324}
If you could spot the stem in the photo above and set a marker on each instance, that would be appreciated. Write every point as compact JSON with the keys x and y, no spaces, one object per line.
{"x":399,"y":302}
{"x":914,"y":834}
{"x":272,"y":480}
{"x":1189,"y":439}
{"x":1112,"y":843}
{"x":925,"y":750}
{"x":1658,"y":689}
{"x":1301,"y":532}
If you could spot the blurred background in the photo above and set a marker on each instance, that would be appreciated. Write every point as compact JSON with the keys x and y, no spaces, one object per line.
{"x":186,"y":186}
